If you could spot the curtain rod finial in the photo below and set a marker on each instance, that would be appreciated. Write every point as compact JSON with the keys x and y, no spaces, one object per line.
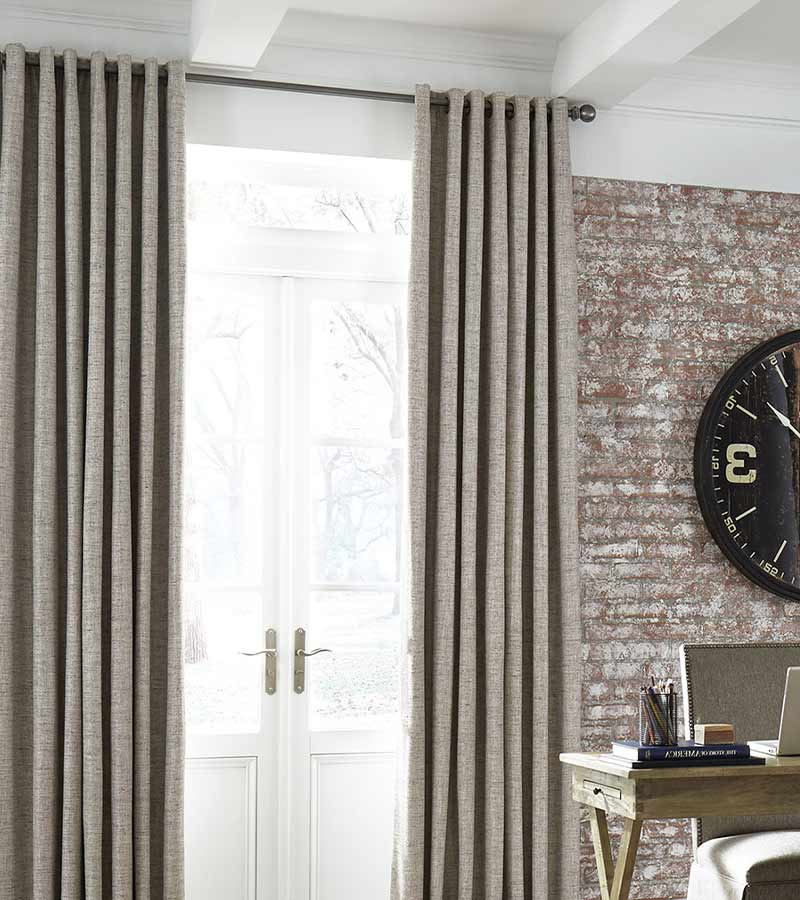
{"x":585,"y":112}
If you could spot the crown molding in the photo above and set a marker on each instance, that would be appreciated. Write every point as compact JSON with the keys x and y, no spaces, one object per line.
{"x":631,"y":110}
{"x":159,"y":16}
{"x":147,"y":28}
{"x":394,"y":56}
{"x":400,"y":40}
{"x":733,"y":72}
{"x":747,"y":93}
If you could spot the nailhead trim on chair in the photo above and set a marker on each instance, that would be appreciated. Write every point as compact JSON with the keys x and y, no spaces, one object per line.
{"x":687,"y":686}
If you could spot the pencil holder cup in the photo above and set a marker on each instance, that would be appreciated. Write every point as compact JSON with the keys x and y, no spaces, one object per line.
{"x":658,"y":718}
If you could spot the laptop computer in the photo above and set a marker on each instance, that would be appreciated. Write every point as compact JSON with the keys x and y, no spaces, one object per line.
{"x":788,"y":743}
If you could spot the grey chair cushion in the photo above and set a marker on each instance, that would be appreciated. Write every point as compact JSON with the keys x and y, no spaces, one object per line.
{"x":767,"y":856}
{"x":742,"y":684}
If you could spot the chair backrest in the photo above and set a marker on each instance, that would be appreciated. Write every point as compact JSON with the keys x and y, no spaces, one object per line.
{"x":742,"y":684}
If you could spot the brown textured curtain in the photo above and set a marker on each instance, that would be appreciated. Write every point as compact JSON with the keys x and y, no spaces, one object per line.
{"x":493,"y":656}
{"x":91,"y":346}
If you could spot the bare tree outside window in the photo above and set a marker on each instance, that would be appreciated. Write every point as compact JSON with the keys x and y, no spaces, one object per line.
{"x":378,"y":342}
{"x":217,"y":410}
{"x":280,"y":206}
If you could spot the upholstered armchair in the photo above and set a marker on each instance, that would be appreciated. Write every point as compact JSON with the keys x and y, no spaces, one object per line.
{"x":746,"y":857}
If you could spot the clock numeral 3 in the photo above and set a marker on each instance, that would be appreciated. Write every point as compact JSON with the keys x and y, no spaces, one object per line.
{"x":737,"y":471}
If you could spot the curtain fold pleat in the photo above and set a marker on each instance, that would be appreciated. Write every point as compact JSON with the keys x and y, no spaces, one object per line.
{"x":145,"y":413}
{"x":492,"y":674}
{"x":16,"y":706}
{"x":514,"y":806}
{"x":491,"y":487}
{"x":92,"y":260}
{"x":45,"y":576}
{"x":446,"y":510}
{"x":471,"y":274}
{"x":75,"y":411}
{"x":94,"y":446}
{"x":121,"y":592}
{"x":539,"y":403}
{"x":176,"y":284}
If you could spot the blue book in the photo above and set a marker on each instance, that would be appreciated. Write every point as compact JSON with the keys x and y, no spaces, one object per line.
{"x":684,"y":751}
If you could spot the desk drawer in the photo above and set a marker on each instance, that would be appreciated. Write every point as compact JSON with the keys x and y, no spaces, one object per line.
{"x":596,"y":788}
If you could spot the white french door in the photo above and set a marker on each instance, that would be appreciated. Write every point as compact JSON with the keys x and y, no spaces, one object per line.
{"x":294,"y":487}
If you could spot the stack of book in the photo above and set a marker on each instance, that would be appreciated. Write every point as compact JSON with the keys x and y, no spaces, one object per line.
{"x":685,"y":753}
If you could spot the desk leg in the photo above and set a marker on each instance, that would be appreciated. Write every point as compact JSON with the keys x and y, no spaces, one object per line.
{"x":615,"y":881}
{"x":602,"y":850}
{"x":623,"y":872}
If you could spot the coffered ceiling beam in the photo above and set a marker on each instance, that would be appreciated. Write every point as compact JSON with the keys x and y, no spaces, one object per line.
{"x":233,"y":32}
{"x":624,"y":43}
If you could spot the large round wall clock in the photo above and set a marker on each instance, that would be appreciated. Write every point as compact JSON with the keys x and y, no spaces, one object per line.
{"x":747,"y":465}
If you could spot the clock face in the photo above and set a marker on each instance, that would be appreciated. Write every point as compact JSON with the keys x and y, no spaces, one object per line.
{"x":747,"y":465}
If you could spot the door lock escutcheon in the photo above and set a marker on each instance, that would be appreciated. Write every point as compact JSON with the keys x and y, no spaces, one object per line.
{"x":300,"y":657}
{"x":270,"y":654}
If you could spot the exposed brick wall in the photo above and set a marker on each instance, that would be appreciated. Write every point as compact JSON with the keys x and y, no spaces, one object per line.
{"x":675,"y":282}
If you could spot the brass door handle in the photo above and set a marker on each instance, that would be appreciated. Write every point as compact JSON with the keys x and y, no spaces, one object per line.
{"x":270,"y":654}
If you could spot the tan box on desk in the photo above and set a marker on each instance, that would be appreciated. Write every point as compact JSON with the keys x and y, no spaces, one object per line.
{"x":714,"y":733}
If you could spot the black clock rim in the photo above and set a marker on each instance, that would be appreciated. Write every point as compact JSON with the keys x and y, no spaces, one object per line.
{"x":703,"y":439}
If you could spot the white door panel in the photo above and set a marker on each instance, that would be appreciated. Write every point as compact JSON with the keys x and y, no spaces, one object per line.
{"x":356,"y":788}
{"x":221,"y":828}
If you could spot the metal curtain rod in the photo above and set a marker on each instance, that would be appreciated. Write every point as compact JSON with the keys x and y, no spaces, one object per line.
{"x":584,"y":112}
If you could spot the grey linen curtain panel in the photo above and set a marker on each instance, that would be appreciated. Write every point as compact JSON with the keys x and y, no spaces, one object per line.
{"x":91,"y":352}
{"x":493,"y":648}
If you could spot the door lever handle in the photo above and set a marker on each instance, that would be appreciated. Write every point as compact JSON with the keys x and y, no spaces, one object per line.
{"x":270,"y":654}
{"x":300,"y":657}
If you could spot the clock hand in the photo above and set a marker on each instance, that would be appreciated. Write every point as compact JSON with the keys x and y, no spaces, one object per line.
{"x":784,"y":420}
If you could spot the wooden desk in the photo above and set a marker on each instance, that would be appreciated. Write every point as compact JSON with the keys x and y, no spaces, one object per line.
{"x":604,"y":786}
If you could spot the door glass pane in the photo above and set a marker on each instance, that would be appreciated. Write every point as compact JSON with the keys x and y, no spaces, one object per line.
{"x":224,"y":511}
{"x":356,"y":686}
{"x":357,"y":364}
{"x":223,"y":688}
{"x":225,"y":355}
{"x":356,"y":513}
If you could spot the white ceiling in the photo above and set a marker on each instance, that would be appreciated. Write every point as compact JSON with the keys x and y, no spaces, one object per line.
{"x":767,"y":34}
{"x":551,"y":18}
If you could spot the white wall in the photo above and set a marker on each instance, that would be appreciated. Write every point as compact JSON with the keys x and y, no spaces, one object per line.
{"x":274,"y":120}
{"x":649,"y":145}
